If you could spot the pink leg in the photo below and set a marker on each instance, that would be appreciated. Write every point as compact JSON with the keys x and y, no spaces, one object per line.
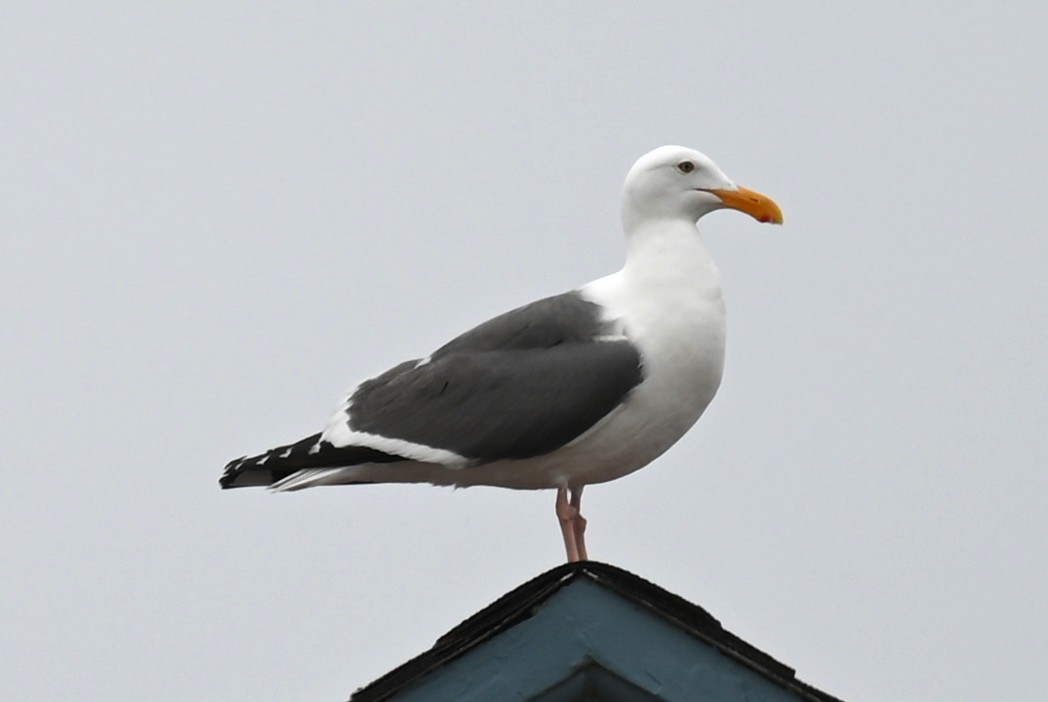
{"x":572,"y":524}
{"x":566,"y":516}
{"x":579,"y":523}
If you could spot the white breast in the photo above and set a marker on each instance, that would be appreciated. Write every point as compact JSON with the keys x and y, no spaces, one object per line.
{"x":677,"y":321}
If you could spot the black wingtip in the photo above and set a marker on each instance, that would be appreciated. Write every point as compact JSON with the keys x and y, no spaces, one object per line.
{"x":280,"y":462}
{"x":231,"y":473}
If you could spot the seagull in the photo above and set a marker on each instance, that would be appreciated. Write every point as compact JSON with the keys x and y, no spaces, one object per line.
{"x":571,"y":390}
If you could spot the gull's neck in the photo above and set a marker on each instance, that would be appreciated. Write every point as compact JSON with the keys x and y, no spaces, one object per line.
{"x":669,"y":251}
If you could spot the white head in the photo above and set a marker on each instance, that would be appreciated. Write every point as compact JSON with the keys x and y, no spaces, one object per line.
{"x":674,"y":182}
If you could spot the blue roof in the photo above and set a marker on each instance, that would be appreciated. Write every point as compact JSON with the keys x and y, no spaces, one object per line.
{"x":586,"y":631}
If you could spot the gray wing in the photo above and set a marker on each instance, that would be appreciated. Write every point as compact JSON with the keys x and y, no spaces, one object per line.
{"x":541,"y":324}
{"x":520,"y":385}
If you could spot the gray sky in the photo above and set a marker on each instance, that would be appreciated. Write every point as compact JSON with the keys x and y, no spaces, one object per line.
{"x":215,"y":218}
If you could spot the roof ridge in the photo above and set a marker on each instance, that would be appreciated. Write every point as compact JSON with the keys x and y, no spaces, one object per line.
{"x":522,"y":602}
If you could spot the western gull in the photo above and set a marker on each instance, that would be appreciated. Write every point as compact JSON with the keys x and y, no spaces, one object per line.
{"x":575,"y":389}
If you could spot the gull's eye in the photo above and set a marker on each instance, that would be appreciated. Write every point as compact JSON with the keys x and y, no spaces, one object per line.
{"x":685,"y":166}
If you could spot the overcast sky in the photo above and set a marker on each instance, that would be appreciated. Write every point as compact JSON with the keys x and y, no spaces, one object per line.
{"x":216,"y":217}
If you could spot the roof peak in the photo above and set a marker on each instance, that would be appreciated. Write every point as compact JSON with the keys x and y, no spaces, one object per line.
{"x":524,"y":602}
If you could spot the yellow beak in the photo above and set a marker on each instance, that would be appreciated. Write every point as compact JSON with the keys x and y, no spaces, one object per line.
{"x":761,"y":207}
